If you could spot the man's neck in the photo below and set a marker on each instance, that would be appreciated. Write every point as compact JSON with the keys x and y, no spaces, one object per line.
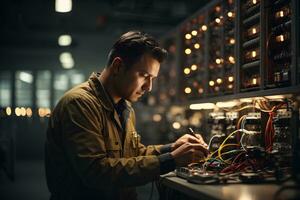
{"x":108,"y":84}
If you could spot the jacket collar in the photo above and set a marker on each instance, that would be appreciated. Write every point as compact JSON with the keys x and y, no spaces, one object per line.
{"x":102,"y":95}
{"x":105,"y":99}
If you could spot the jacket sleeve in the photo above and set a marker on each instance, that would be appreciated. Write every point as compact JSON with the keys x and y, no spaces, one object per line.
{"x":85,"y":149}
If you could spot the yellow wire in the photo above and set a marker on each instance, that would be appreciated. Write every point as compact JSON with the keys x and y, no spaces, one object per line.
{"x":239,"y":109}
{"x":229,"y":152}
{"x":262,"y":108}
{"x":239,"y":122}
{"x":210,"y":156}
{"x":222,"y":145}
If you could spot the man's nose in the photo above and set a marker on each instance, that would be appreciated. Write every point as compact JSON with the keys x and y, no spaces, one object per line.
{"x":148,"y":85}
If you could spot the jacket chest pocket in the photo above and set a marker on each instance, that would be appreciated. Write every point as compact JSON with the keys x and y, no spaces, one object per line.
{"x":133,"y":140}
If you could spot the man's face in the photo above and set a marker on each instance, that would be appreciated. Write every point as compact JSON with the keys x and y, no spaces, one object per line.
{"x":135,"y":81}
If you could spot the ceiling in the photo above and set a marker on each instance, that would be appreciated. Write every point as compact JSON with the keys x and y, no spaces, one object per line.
{"x":30,"y":29}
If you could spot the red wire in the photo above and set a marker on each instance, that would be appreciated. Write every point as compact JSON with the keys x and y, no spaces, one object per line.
{"x":239,"y":155}
{"x":269,"y":131}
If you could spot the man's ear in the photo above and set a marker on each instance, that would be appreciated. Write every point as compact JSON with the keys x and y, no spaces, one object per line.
{"x":116,"y":65}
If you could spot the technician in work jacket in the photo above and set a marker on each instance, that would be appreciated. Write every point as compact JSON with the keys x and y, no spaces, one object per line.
{"x":93,"y":150}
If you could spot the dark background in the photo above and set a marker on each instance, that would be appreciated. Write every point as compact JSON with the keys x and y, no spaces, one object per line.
{"x":28,"y":41}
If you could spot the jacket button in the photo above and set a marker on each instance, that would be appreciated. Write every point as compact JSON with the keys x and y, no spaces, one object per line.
{"x":116,"y":143}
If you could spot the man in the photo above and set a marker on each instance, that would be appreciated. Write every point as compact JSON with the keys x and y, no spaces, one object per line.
{"x":92,"y":148}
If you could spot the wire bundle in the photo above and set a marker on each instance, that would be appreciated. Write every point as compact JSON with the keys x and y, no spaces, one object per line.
{"x":269,"y":131}
{"x":236,"y":157}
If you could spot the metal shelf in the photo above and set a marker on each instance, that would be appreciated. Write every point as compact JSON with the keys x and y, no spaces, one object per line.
{"x":251,"y":19}
{"x":251,"y":42}
{"x":249,"y":94}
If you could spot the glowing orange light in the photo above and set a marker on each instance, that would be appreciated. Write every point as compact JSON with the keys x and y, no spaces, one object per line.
{"x":218,"y":61}
{"x":8,"y":111}
{"x":253,"y":54}
{"x":219,"y":81}
{"x":231,"y":59}
{"x":194,"y":32}
{"x":186,"y":71}
{"x":230,"y":14}
{"x":188,"y":36}
{"x":254,"y":81}
{"x":197,"y":46}
{"x":194,"y":67}
{"x":188,"y":51}
{"x":280,"y":38}
{"x":187,"y":90}
{"x":200,"y":90}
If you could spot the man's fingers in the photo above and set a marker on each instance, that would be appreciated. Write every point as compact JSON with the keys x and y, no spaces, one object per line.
{"x":201,"y":140}
{"x":198,"y":139}
{"x":200,"y":147}
{"x":193,"y":139}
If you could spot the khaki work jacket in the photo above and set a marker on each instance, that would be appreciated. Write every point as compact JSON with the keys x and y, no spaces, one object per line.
{"x":84,"y":155}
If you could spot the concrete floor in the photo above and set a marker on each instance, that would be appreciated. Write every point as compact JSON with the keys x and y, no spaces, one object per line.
{"x":30,"y":184}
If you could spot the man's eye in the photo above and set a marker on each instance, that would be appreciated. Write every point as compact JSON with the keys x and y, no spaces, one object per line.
{"x":145,"y":75}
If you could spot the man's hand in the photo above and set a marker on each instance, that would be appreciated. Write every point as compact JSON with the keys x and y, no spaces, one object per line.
{"x":187,"y":138}
{"x":188,"y":153}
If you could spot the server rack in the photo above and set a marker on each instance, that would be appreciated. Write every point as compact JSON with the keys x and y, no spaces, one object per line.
{"x":231,"y":50}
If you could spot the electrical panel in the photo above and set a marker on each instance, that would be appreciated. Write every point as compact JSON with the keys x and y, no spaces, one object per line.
{"x":246,"y":53}
{"x":279,"y":43}
{"x":221,"y":56}
{"x":229,"y":42}
{"x":231,"y":47}
{"x":208,"y":56}
{"x":192,"y":67}
{"x":250,"y":40}
{"x":282,"y":130}
{"x":249,"y":142}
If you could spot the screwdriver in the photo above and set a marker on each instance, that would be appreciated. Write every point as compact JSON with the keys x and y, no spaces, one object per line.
{"x":191,"y":132}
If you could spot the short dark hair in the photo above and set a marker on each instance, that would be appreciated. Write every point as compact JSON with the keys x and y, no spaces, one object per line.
{"x":131,"y":46}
